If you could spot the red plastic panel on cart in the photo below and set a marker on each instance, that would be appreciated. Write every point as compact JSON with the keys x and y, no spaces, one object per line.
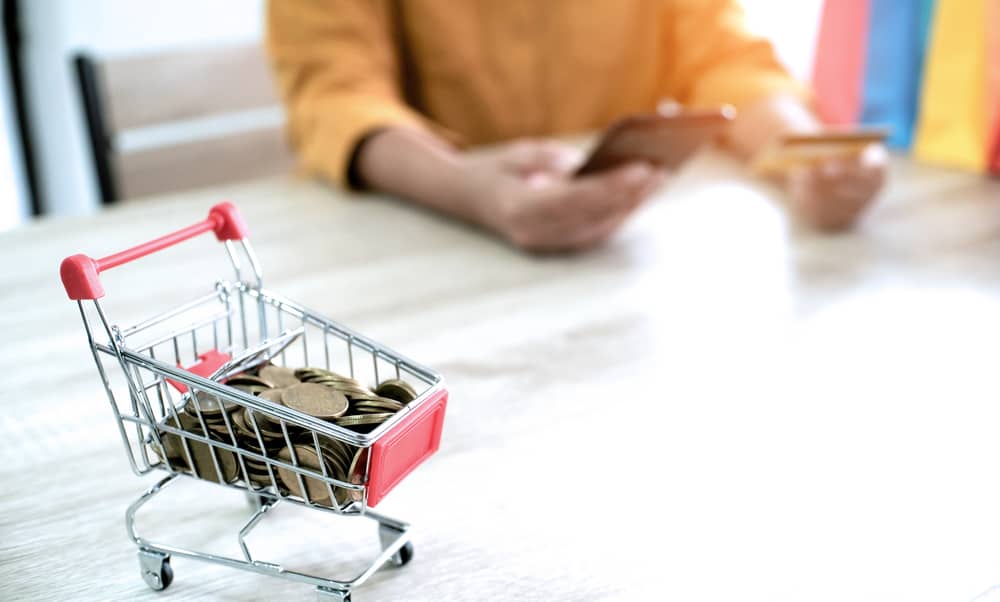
{"x":409,"y":443}
{"x":207,"y":363}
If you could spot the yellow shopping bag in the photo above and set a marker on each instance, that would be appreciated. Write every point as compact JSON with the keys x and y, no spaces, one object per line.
{"x":993,"y":83}
{"x":954,"y":122}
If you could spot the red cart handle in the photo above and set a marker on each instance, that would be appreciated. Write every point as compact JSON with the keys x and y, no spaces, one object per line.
{"x":81,"y":273}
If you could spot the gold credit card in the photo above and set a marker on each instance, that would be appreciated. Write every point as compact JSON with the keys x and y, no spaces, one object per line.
{"x":795,"y":150}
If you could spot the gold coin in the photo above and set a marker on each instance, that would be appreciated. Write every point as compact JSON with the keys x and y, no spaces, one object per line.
{"x":273,"y":423}
{"x":317,"y":490}
{"x":356,"y":473}
{"x":339,"y":453}
{"x":221,"y":431}
{"x":377,"y":405}
{"x":315,"y":400}
{"x":257,"y":468}
{"x":280,"y":376}
{"x":188,"y":422}
{"x":368,"y":396}
{"x":252,"y":389}
{"x":397,"y":389}
{"x":310,"y":374}
{"x":209,"y":404}
{"x":204,"y":468}
{"x":196,"y":457}
{"x":240,"y":424}
{"x":259,"y":478}
{"x":171,"y":446}
{"x":362,"y":419}
{"x":340,"y":383}
{"x":335,"y":467}
{"x":304,"y":374}
{"x":348,"y":389}
{"x":272,"y":395}
{"x":249,"y":379}
{"x":268,"y":429}
{"x":255,"y":465}
{"x":245,"y":434}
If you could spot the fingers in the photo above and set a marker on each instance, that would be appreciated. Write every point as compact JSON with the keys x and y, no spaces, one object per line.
{"x":832,"y":194}
{"x":601,"y":194}
{"x":875,"y":156}
{"x":528,"y":157}
{"x":597,"y":233}
{"x":602,"y":230}
{"x":856,"y":177}
{"x":578,"y":214}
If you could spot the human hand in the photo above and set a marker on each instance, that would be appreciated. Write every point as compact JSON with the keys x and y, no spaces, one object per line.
{"x":525,"y":191}
{"x":830,"y":195}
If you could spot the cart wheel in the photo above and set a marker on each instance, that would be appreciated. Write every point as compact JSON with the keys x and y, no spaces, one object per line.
{"x":156,"y":570}
{"x":254,"y":501}
{"x":324,"y":594}
{"x":166,"y":576}
{"x":404,"y":555}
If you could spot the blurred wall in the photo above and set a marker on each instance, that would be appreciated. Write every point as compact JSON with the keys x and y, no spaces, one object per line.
{"x":14,"y":204}
{"x":54,"y":30}
{"x":792,"y":26}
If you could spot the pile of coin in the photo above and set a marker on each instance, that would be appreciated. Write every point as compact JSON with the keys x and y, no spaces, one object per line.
{"x":317,"y":392}
{"x":187,"y":454}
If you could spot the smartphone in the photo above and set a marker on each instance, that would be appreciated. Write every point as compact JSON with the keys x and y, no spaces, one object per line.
{"x":793,"y":150}
{"x":664,"y":140}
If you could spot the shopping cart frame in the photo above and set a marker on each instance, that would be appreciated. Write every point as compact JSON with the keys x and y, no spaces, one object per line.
{"x":252,"y":332}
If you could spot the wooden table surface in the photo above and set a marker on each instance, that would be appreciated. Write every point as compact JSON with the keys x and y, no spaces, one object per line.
{"x":714,"y":406}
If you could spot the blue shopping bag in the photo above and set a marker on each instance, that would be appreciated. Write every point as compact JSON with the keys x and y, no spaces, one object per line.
{"x":897,"y":42}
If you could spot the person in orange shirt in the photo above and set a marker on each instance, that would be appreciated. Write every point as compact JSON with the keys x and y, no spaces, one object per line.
{"x":388,"y":94}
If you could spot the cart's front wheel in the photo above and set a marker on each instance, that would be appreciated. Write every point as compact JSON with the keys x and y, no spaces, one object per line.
{"x":156,"y":570}
{"x":404,"y":555}
{"x":324,"y":594}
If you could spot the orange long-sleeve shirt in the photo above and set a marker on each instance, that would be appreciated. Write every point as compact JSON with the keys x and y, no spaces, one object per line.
{"x":480,"y":71}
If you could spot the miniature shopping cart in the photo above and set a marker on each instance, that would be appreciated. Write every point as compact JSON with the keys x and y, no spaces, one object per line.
{"x":177,"y":363}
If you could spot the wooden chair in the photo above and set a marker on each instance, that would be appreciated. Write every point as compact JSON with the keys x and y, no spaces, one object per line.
{"x":167,"y":122}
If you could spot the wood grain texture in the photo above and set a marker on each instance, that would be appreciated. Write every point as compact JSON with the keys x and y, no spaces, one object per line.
{"x":151,"y":89}
{"x":713,"y":406}
{"x":232,"y":158}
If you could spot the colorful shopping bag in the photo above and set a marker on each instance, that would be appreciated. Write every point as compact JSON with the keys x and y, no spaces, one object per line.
{"x":953,"y":123}
{"x":869,"y":62}
{"x":927,"y":69}
{"x":993,"y":81}
{"x":839,"y":63}
{"x":897,"y":35}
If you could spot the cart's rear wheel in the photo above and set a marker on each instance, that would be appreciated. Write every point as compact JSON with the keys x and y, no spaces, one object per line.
{"x":404,"y":555}
{"x":166,"y":575}
{"x":156,"y":570}
{"x":255,"y":501}
{"x":389,"y":533}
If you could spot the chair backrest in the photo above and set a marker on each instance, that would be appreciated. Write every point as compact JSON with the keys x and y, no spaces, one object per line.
{"x":166,"y":122}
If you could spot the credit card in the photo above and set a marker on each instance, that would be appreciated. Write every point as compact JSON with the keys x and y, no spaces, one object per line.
{"x":797,"y":150}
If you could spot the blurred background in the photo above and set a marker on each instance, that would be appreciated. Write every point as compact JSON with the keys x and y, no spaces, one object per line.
{"x":70,"y":72}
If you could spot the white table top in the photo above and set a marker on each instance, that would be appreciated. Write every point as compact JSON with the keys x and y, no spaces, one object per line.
{"x":714,"y":406}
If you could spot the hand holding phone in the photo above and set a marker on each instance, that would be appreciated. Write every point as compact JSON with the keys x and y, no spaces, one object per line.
{"x":663,"y":140}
